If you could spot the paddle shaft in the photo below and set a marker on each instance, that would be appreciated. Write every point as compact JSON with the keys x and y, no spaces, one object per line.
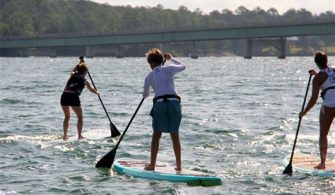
{"x":131,"y":120}
{"x":107,"y":160}
{"x":302,"y":109}
{"x":114,"y":131}
{"x":99,"y":98}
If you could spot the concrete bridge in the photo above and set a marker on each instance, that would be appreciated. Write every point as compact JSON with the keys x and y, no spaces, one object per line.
{"x":275,"y":35}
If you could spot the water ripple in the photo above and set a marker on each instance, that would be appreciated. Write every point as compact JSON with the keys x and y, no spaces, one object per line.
{"x":239,"y":122}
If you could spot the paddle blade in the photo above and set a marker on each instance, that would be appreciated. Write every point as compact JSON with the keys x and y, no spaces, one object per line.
{"x":114,"y":131}
{"x":288,"y":169}
{"x":107,"y":160}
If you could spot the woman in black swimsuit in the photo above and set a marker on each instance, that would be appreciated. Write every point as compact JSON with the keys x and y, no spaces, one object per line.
{"x":70,"y":97}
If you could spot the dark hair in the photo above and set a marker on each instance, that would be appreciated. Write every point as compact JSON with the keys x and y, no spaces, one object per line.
{"x":81,"y":68}
{"x":154,"y":56}
{"x":321,"y":59}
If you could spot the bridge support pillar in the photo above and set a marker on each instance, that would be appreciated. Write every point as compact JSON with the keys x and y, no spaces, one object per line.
{"x":194,"y":54}
{"x":24,"y":52}
{"x":119,"y":52}
{"x":89,"y":51}
{"x":160,"y":46}
{"x":52,"y":52}
{"x":248,"y":49}
{"x":282,"y":48}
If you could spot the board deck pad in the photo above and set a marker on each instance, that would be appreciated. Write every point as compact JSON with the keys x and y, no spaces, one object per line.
{"x":305,"y":163}
{"x":165,"y":172}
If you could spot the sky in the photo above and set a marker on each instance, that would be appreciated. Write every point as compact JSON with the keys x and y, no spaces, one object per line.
{"x":314,"y":6}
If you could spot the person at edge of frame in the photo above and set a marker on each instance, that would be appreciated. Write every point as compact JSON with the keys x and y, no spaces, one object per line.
{"x":324,"y":80}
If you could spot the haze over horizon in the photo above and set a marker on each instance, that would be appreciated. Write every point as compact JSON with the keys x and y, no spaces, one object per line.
{"x":314,"y":6}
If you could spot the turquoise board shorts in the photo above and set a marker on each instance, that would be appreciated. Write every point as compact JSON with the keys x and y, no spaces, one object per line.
{"x":166,"y":116}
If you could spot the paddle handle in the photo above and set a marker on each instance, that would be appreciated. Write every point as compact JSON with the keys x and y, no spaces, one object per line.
{"x":302,"y":109}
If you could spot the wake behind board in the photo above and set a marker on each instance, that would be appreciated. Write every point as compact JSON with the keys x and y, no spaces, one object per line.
{"x":305,"y":163}
{"x":96,"y":134}
{"x":164,"y":172}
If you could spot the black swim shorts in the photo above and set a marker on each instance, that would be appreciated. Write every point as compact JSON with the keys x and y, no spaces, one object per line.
{"x":70,"y":99}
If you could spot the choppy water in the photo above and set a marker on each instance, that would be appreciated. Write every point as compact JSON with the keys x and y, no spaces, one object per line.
{"x":239,"y":122}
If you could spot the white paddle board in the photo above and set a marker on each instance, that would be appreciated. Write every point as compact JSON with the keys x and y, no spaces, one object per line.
{"x":305,"y":163}
{"x":166,"y":172}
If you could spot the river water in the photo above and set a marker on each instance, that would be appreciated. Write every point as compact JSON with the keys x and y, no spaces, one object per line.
{"x":239,"y":122}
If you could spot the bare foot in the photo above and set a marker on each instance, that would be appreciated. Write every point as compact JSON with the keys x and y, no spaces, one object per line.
{"x":320,"y":166}
{"x":65,"y":137}
{"x":149,"y":167}
{"x":81,"y":137}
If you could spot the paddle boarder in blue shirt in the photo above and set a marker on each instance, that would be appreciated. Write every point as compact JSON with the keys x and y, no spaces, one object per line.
{"x":166,"y":111}
{"x":324,"y":80}
{"x":70,"y":97}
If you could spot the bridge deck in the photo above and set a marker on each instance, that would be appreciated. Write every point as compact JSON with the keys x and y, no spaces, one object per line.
{"x":173,"y":36}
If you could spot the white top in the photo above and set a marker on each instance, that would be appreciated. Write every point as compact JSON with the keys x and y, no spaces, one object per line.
{"x":161,"y":79}
{"x":329,"y":98}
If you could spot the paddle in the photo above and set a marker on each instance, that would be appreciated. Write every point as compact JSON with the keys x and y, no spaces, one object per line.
{"x":108,"y":159}
{"x":288,"y":169}
{"x":114,"y":131}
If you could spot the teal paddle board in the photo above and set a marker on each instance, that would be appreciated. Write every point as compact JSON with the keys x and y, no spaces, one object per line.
{"x":165,"y":172}
{"x":305,"y":163}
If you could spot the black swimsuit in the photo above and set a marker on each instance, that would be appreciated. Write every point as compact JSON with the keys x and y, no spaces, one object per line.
{"x":72,"y":90}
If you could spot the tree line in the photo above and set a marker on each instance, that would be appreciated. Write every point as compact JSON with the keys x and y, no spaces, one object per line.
{"x":45,"y":17}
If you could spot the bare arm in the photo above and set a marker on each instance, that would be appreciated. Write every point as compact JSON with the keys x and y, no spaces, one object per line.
{"x":88,"y":85}
{"x":317,"y":81}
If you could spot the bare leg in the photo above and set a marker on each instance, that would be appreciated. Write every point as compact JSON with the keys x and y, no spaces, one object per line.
{"x":176,"y":149}
{"x":156,"y":136}
{"x":66,"y":110}
{"x":326,"y":118}
{"x":79,"y":113}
